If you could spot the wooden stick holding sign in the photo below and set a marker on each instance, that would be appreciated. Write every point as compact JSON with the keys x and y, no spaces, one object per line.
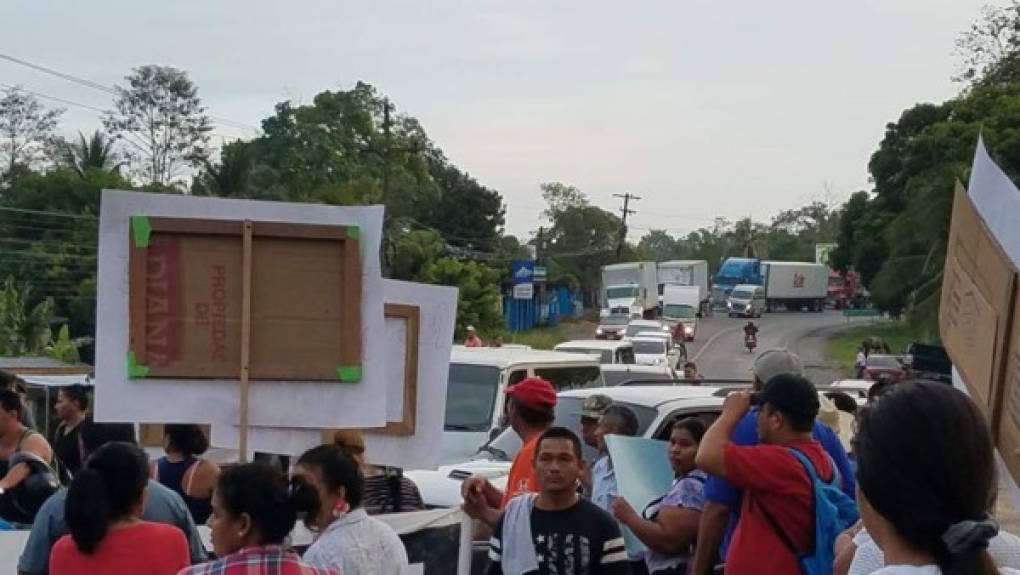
{"x":245,"y":337}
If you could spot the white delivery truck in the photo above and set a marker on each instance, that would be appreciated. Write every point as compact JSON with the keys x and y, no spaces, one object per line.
{"x":630,"y":289}
{"x":680,"y":305}
{"x":795,"y":285}
{"x":684,"y":273}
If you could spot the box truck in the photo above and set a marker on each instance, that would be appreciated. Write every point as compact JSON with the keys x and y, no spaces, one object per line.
{"x":630,"y":289}
{"x":680,"y":305}
{"x":734,"y":272}
{"x":684,"y":273}
{"x":795,"y":285}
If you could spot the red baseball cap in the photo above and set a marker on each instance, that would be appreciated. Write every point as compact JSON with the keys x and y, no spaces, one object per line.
{"x":533,"y":392}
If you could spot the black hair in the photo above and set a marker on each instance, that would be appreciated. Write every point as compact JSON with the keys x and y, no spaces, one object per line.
{"x":879,"y":388}
{"x":186,"y":438}
{"x":95,"y":435}
{"x":262,"y":492}
{"x":795,"y":397}
{"x":693,"y":425}
{"x":105,"y":490}
{"x":12,"y":382}
{"x":338,"y":469}
{"x":559,"y":433}
{"x":10,"y":400}
{"x":842,"y":401}
{"x":77,"y":393}
{"x":627,"y":421}
{"x":925,"y":462}
{"x":690,"y":364}
{"x":534,"y":416}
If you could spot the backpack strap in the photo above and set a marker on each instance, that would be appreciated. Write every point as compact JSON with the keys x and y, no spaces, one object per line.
{"x":783,"y":536}
{"x":813,"y":477}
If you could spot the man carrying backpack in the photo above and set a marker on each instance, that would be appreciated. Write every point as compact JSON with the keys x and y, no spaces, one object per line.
{"x":792,"y":509}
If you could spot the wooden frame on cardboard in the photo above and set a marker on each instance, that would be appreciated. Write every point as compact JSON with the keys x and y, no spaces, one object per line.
{"x":280,"y":244}
{"x":411,"y":315}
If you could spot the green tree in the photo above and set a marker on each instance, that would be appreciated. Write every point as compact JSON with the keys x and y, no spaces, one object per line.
{"x":657,"y":245}
{"x":24,"y":327}
{"x":93,"y":153}
{"x":25,"y":128}
{"x":162,"y":122}
{"x":748,"y":239}
{"x":479,"y":294}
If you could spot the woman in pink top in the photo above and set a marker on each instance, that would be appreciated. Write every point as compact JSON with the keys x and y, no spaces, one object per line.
{"x":103,"y":510}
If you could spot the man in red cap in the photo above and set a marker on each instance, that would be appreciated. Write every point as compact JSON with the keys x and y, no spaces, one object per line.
{"x":530,"y":406}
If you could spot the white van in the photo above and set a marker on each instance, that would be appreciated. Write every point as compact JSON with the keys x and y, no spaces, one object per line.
{"x":746,"y":300}
{"x":475,"y":398}
{"x":608,"y":352}
{"x":680,"y":304}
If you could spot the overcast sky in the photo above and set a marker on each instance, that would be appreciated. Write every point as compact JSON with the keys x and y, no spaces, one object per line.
{"x":702,"y":108}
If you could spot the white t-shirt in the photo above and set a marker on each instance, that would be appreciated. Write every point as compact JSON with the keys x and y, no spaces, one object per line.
{"x":868,"y":559}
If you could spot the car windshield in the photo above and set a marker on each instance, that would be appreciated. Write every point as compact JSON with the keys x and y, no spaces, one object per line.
{"x":650,"y":347}
{"x":678,"y":311}
{"x":884,"y":361}
{"x":470,"y":397}
{"x":568,"y":414}
{"x":603,"y":355}
{"x":742,"y":294}
{"x":615,"y":319}
{"x":621,"y":292}
{"x":571,"y":377}
{"x":614,"y":378}
{"x":636,"y":328}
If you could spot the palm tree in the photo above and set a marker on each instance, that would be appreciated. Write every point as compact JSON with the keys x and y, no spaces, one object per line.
{"x":748,"y":238}
{"x":95,"y":153}
{"x":229,"y":178}
{"x":24,"y":328}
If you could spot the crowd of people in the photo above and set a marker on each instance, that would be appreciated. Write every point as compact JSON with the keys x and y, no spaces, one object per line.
{"x":774,"y":485}
{"x":111,"y":510}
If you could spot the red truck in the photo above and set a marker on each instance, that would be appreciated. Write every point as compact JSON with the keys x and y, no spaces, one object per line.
{"x":844,"y":289}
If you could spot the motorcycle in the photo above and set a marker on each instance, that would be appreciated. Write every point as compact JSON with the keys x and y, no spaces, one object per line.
{"x":751,"y":342}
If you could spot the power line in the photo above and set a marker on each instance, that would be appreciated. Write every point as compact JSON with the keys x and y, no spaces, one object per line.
{"x":107,"y":89}
{"x":53,"y":214}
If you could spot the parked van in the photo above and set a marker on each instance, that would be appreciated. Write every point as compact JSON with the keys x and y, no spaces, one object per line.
{"x":607,"y":351}
{"x":475,"y":398}
{"x":747,"y":301}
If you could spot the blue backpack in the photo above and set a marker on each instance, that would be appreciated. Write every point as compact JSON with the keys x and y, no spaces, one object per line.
{"x":834,"y":513}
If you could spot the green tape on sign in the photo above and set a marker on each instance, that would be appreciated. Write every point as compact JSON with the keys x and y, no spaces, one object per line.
{"x":136,"y":369}
{"x":349,"y":373}
{"x":141,"y":231}
{"x":353,"y":232}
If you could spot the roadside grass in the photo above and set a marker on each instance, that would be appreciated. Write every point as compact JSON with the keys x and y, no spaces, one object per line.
{"x":842,"y":348}
{"x":549,"y":337}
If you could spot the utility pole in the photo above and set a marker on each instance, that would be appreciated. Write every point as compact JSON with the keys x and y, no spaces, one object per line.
{"x":538,"y":244}
{"x":626,"y":211}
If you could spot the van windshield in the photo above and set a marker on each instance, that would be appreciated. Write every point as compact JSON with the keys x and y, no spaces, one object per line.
{"x":742,"y":294}
{"x":678,"y":311}
{"x":615,"y":319}
{"x":620,"y":292}
{"x":570,"y":377}
{"x":568,"y":414}
{"x":470,"y":397}
{"x":650,"y":347}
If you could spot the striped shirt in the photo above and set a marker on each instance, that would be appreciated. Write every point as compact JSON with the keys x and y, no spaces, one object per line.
{"x":268,"y":560}
{"x":391,"y":492}
{"x":580,"y":540}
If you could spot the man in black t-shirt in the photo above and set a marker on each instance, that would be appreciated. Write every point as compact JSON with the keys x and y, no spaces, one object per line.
{"x":556,"y":532}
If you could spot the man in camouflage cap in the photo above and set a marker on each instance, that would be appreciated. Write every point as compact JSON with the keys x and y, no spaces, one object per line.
{"x":593,"y":408}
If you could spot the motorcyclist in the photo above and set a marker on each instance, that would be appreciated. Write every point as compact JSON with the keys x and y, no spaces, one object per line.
{"x":751,"y":331}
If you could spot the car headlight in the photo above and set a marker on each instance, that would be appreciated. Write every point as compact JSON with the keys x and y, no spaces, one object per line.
{"x":688,"y":329}
{"x":598,"y":331}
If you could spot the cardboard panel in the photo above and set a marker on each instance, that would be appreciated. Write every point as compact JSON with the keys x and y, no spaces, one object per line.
{"x":186,"y":300}
{"x":1009,"y":425}
{"x":977,"y":299}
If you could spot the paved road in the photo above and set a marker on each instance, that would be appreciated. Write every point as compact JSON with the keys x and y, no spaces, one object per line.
{"x":719,"y":349}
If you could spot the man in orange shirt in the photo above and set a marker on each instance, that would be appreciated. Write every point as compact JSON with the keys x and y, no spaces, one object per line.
{"x":530,"y":410}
